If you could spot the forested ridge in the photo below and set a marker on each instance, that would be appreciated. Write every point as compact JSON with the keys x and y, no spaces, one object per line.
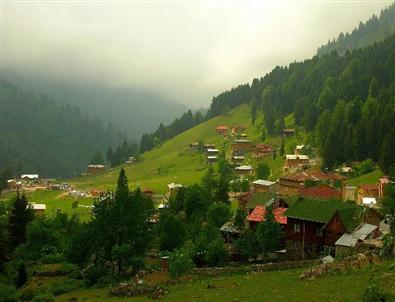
{"x":39,"y":136}
{"x":373,"y":30}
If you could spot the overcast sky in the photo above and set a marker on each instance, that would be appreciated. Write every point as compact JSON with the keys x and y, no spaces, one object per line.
{"x":187,"y":51}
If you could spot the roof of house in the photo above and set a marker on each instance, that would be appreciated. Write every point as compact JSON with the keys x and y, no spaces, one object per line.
{"x":242,"y":141}
{"x":384,"y":180}
{"x":212,"y":157}
{"x":96,"y":166}
{"x":369,"y":201}
{"x":312,"y":175}
{"x":299,"y":147}
{"x":288,"y":130}
{"x":174,"y":186}
{"x":238,"y":157}
{"x":319,"y":210}
{"x":229,"y":227}
{"x":293,"y":156}
{"x":222,"y":127}
{"x":212,"y":150}
{"x":37,"y":206}
{"x":259,"y":214}
{"x":263,"y":182}
{"x":361,"y":233}
{"x":244,"y":168}
{"x":320,"y":191}
{"x":30,"y":176}
{"x":263,"y":146}
{"x":257,"y":198}
{"x":368,"y":187}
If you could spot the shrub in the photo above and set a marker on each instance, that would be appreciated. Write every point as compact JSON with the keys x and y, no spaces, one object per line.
{"x":7,"y":293}
{"x":216,"y":254}
{"x":52,"y":258}
{"x":365,"y":167}
{"x":180,"y":263}
{"x":44,"y":297}
{"x":65,"y":287}
{"x":375,"y":293}
{"x":218,"y":214}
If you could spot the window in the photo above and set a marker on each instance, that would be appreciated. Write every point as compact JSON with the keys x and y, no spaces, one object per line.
{"x":319,"y":232}
{"x":296,"y":228}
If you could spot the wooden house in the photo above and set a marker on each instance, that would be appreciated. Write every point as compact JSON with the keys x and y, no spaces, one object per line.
{"x":209,"y":146}
{"x":212,"y":159}
{"x":238,"y":129}
{"x":238,"y":159}
{"x":212,"y":151}
{"x":262,"y":150}
{"x":262,"y":185}
{"x":383,"y":181}
{"x":172,"y":189}
{"x":298,"y":149}
{"x":296,"y":162}
{"x":367,"y":190}
{"x":348,"y":192}
{"x":222,"y":130}
{"x":321,"y":191}
{"x":314,"y":224}
{"x":95,"y":169}
{"x":241,"y":146}
{"x":38,"y":208}
{"x":193,"y":146}
{"x":244,"y":170}
{"x":287,"y":132}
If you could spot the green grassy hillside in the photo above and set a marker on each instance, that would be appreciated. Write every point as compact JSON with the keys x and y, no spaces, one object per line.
{"x":173,"y":162}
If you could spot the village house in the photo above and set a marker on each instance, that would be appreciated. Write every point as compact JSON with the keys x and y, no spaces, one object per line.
{"x":172,"y":189}
{"x":313,"y":224}
{"x":238,"y":129}
{"x":367,"y":190}
{"x":38,"y":208}
{"x":298,"y":149}
{"x":259,"y":214}
{"x":244,"y":170}
{"x":209,"y":146}
{"x":355,"y":242}
{"x":211,"y":159}
{"x":241,"y":146}
{"x":148,"y":192}
{"x":287,"y":132}
{"x":95,"y":169}
{"x":261,"y":185}
{"x":291,"y":184}
{"x":193,"y":146}
{"x":348,"y":192}
{"x":320,"y":191}
{"x":296,"y":162}
{"x":222,"y":130}
{"x":97,"y":192}
{"x":383,"y":181}
{"x":212,"y":151}
{"x":238,"y":159}
{"x":30,"y":178}
{"x":13,"y":184}
{"x":262,"y":150}
{"x":131,"y":160}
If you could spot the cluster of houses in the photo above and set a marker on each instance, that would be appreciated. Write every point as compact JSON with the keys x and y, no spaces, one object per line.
{"x":318,"y":213}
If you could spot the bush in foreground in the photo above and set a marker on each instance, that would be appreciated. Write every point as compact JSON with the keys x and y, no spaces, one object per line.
{"x":180,"y":263}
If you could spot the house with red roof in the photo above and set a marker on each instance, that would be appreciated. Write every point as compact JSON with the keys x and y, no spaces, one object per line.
{"x":321,"y":191}
{"x":223,"y":130}
{"x":262,"y":150}
{"x":367,"y":190}
{"x":259,"y":215}
{"x":383,"y":181}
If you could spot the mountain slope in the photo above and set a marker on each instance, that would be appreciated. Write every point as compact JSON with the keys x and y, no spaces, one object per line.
{"x":131,"y":110}
{"x":39,"y":136}
{"x":173,"y":162}
{"x":373,"y":30}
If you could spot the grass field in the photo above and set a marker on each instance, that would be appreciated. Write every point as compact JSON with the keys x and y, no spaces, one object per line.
{"x":173,"y":162}
{"x":264,"y":286}
{"x":370,"y":178}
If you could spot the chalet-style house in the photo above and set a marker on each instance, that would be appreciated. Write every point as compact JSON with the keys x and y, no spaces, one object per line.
{"x":38,"y":208}
{"x":209,"y":146}
{"x":259,"y":214}
{"x":321,"y":191}
{"x":383,"y":181}
{"x":291,"y":184}
{"x":262,"y":185}
{"x":222,"y":130}
{"x":211,"y":159}
{"x":262,"y":150}
{"x":193,"y":146}
{"x":241,"y":146}
{"x":212,"y":151}
{"x":296,"y":162}
{"x":95,"y":192}
{"x":298,"y":149}
{"x":287,"y":132}
{"x":348,"y":192}
{"x":13,"y":184}
{"x":244,"y":170}
{"x":313,"y":225}
{"x":172,"y":189}
{"x":95,"y":169}
{"x":367,"y":190}
{"x":238,"y":129}
{"x":131,"y":160}
{"x":238,"y":159}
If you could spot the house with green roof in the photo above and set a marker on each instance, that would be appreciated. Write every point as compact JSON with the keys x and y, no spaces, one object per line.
{"x":313,"y":224}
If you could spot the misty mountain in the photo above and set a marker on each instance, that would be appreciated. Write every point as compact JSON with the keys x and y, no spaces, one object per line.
{"x":38,"y":135}
{"x":131,"y":110}
{"x":373,"y":30}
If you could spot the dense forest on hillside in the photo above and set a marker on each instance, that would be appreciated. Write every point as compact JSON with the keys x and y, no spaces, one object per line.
{"x":38,"y":135}
{"x":346,"y":101}
{"x":373,"y":30}
{"x":130,"y":110}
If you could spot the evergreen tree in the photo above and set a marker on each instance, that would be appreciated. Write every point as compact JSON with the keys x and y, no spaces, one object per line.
{"x":21,"y":277}
{"x":171,"y":232}
{"x":269,"y":233}
{"x":97,"y":159}
{"x":21,"y":214}
{"x":253,"y":112}
{"x":110,"y":156}
{"x":387,"y":156}
{"x":263,"y":171}
{"x":209,"y":183}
